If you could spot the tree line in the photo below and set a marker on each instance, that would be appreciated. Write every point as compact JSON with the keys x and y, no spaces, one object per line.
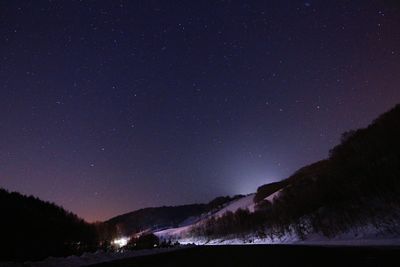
{"x":32,"y":229}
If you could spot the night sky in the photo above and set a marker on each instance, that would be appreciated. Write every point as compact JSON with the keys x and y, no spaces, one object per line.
{"x":111,"y":106}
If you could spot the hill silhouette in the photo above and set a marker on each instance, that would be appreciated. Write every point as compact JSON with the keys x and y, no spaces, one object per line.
{"x":156,"y":218}
{"x":32,"y":229}
{"x":357,"y":185}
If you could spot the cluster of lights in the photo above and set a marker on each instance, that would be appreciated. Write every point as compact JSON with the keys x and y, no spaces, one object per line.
{"x":120,"y":242}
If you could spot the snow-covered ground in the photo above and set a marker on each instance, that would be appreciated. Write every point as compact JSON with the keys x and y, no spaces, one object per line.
{"x":362,"y":236}
{"x":367,"y":235}
{"x":90,"y":258}
{"x":174,"y":233}
{"x":183,"y":231}
{"x":241,"y":203}
{"x":271,"y":198}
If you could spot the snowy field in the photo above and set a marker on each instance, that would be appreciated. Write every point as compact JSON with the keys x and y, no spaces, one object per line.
{"x":267,"y":255}
{"x":90,"y":258}
{"x":363,"y":236}
{"x":356,"y":238}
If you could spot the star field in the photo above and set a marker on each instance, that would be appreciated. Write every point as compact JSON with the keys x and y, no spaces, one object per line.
{"x":111,"y":106}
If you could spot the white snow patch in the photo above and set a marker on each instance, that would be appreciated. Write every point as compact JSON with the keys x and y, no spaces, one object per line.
{"x":173,"y":232}
{"x":361,"y":236}
{"x":241,"y":203}
{"x":181,"y":234}
{"x":271,"y":198}
{"x":89,"y":258}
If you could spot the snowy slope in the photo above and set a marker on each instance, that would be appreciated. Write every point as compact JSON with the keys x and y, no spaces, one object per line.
{"x":174,"y":233}
{"x":361,"y":236}
{"x":183,"y":231}
{"x":273,"y":196}
{"x":90,"y":258}
{"x":242,"y":203}
{"x":367,"y":235}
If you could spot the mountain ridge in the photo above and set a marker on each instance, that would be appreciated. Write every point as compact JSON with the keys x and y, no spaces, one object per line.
{"x":356,"y":187}
{"x":156,"y":218}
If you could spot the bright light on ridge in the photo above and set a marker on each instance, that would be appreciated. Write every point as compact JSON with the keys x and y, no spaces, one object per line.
{"x":120,"y":242}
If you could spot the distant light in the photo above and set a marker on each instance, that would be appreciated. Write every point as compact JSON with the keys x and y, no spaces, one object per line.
{"x":120,"y":242}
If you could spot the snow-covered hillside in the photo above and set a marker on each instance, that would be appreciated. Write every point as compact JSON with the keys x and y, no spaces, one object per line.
{"x":246,"y":203}
{"x":361,"y":236}
{"x":183,"y":231}
{"x":273,"y":196}
{"x":90,"y":258}
{"x":242,"y":203}
{"x":367,"y":235}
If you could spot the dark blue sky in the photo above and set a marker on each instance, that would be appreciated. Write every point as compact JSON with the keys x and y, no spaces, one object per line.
{"x":110,"y":106}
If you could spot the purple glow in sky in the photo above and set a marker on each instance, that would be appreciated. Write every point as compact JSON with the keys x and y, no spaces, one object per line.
{"x":111,"y":106}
